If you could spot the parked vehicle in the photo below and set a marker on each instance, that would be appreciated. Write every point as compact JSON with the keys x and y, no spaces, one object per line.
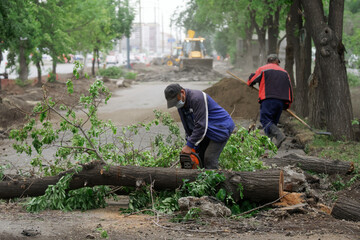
{"x":111,"y":60}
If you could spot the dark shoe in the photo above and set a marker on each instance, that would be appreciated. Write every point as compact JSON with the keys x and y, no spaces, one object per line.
{"x":279,"y":136}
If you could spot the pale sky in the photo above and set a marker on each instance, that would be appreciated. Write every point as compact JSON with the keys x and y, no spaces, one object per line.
{"x":157,"y":10}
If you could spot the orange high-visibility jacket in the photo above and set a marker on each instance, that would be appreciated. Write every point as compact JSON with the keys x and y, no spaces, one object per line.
{"x":274,"y":82}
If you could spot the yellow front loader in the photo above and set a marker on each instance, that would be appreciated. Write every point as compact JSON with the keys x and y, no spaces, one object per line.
{"x":194,"y":53}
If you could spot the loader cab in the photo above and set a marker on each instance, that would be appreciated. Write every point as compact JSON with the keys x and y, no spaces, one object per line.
{"x":194,"y":48}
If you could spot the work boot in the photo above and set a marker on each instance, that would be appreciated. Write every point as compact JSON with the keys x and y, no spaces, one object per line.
{"x":279,"y":136}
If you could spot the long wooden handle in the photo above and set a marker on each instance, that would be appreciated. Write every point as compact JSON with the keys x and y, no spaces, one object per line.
{"x":288,"y":110}
{"x":300,"y":120}
{"x":243,"y":81}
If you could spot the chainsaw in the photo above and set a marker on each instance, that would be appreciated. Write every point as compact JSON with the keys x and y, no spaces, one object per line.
{"x":190,"y":161}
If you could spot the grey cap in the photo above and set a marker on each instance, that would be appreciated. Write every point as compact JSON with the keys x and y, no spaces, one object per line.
{"x":272,"y":58}
{"x":171,"y":93}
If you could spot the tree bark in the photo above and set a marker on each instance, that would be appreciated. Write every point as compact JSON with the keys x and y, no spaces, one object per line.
{"x":317,"y":110}
{"x":248,"y":51}
{"x":38,"y":67}
{"x":54,"y":63}
{"x":303,"y":70}
{"x":273,"y":31}
{"x":327,"y":39}
{"x":260,"y":186}
{"x":346,"y":208}
{"x":313,"y":164}
{"x":93,"y":63}
{"x":261,"y":32}
{"x":291,"y":27}
{"x":24,"y":70}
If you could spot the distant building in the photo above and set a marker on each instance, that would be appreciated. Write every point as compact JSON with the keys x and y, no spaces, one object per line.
{"x":153,"y":39}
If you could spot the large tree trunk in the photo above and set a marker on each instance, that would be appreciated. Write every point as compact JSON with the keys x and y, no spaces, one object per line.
{"x":327,"y":39}
{"x":257,"y":186}
{"x":24,"y":69}
{"x":316,"y":98}
{"x":313,"y":164}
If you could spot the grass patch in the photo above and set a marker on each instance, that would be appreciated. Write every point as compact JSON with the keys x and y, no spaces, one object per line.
{"x":112,"y":72}
{"x":130,"y":75}
{"x":353,"y":80}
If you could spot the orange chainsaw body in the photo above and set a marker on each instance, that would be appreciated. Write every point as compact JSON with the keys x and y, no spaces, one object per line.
{"x":190,"y":161}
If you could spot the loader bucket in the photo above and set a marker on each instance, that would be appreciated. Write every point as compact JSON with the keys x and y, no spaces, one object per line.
{"x":196,"y":63}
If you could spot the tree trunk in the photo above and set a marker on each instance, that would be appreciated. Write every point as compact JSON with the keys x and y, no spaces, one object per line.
{"x":24,"y":70}
{"x":38,"y":67}
{"x":261,"y":32}
{"x":54,"y":63}
{"x":238,"y":54}
{"x":346,"y":208}
{"x":316,"y":98}
{"x":303,"y":71}
{"x":291,"y":27}
{"x":98,"y":58}
{"x":248,"y":51}
{"x":93,"y":63}
{"x":257,"y":186}
{"x":332,"y":66}
{"x":273,"y":31}
{"x":313,"y":164}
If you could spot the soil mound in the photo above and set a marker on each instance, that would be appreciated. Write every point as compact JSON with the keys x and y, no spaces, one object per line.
{"x":235,"y":97}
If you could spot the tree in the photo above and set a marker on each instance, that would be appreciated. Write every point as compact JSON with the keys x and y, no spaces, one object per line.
{"x":331,"y":70}
{"x":298,"y":53}
{"x":22,"y":27}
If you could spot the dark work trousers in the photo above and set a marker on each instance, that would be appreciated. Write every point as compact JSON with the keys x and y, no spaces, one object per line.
{"x":209,"y":152}
{"x":270,"y":112}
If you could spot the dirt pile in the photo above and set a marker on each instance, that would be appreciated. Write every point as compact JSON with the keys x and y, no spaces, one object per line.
{"x":237,"y":98}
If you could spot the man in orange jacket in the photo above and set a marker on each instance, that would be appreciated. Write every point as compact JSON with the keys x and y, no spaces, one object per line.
{"x":275,"y":95}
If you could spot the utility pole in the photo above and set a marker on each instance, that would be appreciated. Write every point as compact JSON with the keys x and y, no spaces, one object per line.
{"x":155,"y":29}
{"x":140,"y":27}
{"x":128,"y":52}
{"x":162,"y":39}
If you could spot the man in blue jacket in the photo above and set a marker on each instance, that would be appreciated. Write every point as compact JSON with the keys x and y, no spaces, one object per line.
{"x":207,"y":125}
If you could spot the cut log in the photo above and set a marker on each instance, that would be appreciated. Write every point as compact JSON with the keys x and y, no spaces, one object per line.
{"x":257,"y":186}
{"x":346,"y":208}
{"x":313,"y":164}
